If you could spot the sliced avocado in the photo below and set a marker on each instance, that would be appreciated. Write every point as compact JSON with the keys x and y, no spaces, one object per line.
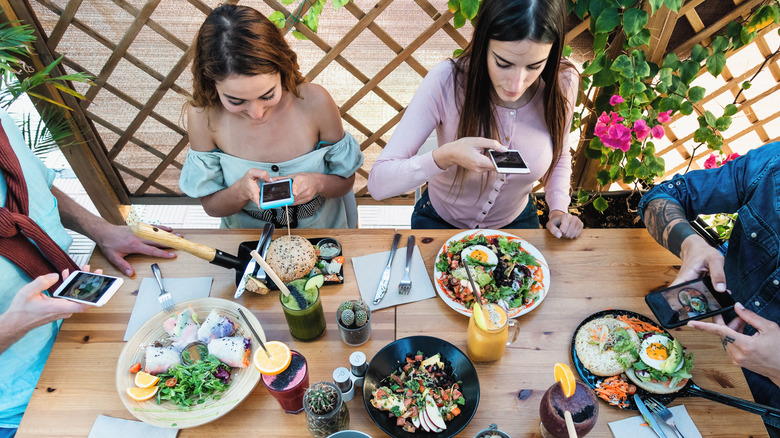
{"x":676,"y":357}
{"x":483,"y":278}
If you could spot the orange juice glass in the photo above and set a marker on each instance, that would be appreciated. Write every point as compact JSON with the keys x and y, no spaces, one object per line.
{"x":488,"y":344}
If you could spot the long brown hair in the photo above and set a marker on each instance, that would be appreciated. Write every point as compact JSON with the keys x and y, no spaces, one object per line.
{"x":540,"y":21}
{"x":239,"y":40}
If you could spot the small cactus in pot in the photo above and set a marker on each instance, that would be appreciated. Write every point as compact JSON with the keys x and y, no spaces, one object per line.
{"x":353,"y":317}
{"x":326,"y":413}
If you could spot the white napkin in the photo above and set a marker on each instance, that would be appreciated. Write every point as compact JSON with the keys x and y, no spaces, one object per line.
{"x":147,"y":305}
{"x":631,"y":427}
{"x":368,"y":270}
{"x":106,"y":427}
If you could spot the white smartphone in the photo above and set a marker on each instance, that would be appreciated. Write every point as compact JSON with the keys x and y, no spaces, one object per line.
{"x":276,"y":194}
{"x":88,"y":288}
{"x":508,"y":162}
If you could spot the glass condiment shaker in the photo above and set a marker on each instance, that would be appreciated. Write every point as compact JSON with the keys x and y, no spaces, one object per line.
{"x":342,"y":379}
{"x":358,"y":366}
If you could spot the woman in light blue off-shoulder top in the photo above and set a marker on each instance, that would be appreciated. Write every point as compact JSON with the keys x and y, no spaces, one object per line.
{"x":254,"y":119}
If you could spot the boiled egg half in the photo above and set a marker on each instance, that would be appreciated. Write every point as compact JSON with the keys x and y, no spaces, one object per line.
{"x":655,"y":352}
{"x":480,"y":253}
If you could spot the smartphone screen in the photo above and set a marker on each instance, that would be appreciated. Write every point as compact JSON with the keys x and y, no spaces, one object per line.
{"x":89,"y":288}
{"x":508,"y":162}
{"x":695,"y":299}
{"x":276,"y":194}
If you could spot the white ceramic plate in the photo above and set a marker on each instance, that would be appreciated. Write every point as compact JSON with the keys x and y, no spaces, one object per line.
{"x":169,"y":414}
{"x":438,"y":276}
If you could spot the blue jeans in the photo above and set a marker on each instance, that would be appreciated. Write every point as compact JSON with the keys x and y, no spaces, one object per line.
{"x":425,"y":216}
{"x":7,"y":432}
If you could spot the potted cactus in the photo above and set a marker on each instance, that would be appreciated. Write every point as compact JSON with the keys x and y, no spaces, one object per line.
{"x":354,"y":321}
{"x":326,"y":413}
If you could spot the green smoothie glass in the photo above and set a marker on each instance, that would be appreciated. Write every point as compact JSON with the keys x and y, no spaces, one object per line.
{"x":305,"y":323}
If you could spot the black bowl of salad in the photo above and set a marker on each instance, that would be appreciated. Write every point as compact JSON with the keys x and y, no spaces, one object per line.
{"x":421,"y":386}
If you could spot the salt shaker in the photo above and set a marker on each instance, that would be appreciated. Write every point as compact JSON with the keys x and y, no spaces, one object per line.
{"x":358,"y":366}
{"x":342,"y":379}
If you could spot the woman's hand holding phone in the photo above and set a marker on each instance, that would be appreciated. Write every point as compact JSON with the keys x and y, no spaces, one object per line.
{"x":468,"y":153}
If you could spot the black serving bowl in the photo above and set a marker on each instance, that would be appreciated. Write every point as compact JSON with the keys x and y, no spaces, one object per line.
{"x":393,"y":355}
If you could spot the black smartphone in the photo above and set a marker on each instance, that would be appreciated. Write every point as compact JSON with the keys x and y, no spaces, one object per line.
{"x":508,"y":162}
{"x":695,"y":299}
{"x":276,"y":194}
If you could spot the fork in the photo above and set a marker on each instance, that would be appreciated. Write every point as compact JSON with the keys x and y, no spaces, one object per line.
{"x":663,"y":412}
{"x":406,"y":282}
{"x":165,"y":297}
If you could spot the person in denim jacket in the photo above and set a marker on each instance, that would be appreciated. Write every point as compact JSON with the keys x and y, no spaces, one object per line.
{"x":750,"y":187}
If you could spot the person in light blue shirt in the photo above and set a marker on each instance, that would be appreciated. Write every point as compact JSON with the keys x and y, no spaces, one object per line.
{"x":253,"y":118}
{"x":29,"y":318}
{"x":750,"y":270}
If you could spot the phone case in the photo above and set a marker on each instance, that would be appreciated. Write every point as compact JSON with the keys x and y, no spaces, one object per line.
{"x":669,"y":318}
{"x":277,"y":203}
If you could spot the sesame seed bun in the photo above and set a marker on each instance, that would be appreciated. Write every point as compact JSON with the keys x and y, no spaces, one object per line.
{"x":291,"y":257}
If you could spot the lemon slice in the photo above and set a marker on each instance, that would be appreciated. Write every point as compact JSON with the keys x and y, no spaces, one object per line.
{"x":145,"y":380}
{"x":278,"y":361}
{"x":565,"y":376}
{"x":479,"y":316}
{"x":141,"y":394}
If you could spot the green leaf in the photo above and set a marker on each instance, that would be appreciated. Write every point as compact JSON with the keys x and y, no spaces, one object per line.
{"x":655,"y":4}
{"x":595,"y":144}
{"x":634,"y":150}
{"x":603,"y":177}
{"x":720,"y":44}
{"x":710,"y":118}
{"x":581,"y":8}
{"x":671,"y":61}
{"x":688,"y":71}
{"x":600,"y":204}
{"x":658,"y":167}
{"x":700,"y":135}
{"x":730,"y":110}
{"x":716,"y":63}
{"x":639,"y":87}
{"x":600,"y":42}
{"x":642,"y":172}
{"x":623,"y":65}
{"x":614,"y":172}
{"x":632,"y":165}
{"x":299,"y":35}
{"x":593,"y":154}
{"x":649,"y":150}
{"x":667,"y":103}
{"x":567,"y":51}
{"x":469,"y":8}
{"x":626,"y":3}
{"x":634,"y":20}
{"x":337,"y":4}
{"x":278,"y":19}
{"x":641,"y":38}
{"x":665,"y":76}
{"x":715,"y":141}
{"x":642,"y":69}
{"x":746,"y":85}
{"x":746,"y":36}
{"x":597,"y":64}
{"x":686,"y":108}
{"x":699,"y":53}
{"x":696,"y":94}
{"x":608,"y":20}
{"x":582,"y":197}
{"x":733,"y":29}
{"x":674,"y":5}
{"x":723,"y":123}
{"x":615,"y":157}
{"x":458,"y":20}
{"x":605,"y":78}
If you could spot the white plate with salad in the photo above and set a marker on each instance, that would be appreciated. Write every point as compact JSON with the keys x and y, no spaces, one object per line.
{"x":508,"y":270}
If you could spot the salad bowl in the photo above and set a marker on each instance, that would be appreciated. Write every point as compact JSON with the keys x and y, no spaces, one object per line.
{"x":393,"y":355}
{"x":440,"y":275}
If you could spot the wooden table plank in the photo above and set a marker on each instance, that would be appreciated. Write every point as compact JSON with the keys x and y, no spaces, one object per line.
{"x":602,"y":269}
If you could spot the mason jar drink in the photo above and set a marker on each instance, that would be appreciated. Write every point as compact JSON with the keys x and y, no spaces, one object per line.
{"x":487,"y":339}
{"x":304,"y":314}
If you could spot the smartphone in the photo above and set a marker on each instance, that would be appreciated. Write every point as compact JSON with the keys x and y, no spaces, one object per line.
{"x":694,"y":299}
{"x":508,"y":162}
{"x":276,"y":194}
{"x":88,"y":288}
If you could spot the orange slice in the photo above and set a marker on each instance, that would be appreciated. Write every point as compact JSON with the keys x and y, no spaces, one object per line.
{"x":565,"y":376}
{"x":278,"y":361}
{"x":141,"y":394}
{"x":145,"y":380}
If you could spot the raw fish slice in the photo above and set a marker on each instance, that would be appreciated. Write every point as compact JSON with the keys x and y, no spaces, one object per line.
{"x":160,"y":359}
{"x":233,"y":351}
{"x":215,"y":326}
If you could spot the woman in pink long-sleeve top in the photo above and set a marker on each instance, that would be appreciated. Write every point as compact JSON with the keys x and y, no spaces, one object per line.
{"x":509,"y":89}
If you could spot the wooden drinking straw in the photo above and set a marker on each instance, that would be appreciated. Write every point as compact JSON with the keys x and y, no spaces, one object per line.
{"x":287,"y":213}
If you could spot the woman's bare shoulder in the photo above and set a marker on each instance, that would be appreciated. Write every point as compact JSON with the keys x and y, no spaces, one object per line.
{"x":320,"y":108}
{"x":201,"y":127}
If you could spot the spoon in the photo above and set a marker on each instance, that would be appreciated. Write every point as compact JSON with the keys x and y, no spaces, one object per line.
{"x":249,"y":324}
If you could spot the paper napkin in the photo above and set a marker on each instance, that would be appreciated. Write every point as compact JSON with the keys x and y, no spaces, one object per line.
{"x":633,"y":427}
{"x":106,"y":427}
{"x":368,"y":270}
{"x":181,"y":289}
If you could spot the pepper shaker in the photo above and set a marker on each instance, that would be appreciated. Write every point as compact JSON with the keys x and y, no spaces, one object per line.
{"x":341,"y":377}
{"x":358,"y":366}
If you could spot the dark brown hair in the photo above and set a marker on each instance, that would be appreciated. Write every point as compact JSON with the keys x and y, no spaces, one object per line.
{"x":239,"y":40}
{"x":540,"y":21}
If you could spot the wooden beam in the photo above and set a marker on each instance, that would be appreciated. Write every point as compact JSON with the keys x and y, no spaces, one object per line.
{"x":717,"y":26}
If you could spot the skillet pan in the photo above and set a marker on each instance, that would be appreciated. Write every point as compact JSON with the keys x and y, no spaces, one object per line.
{"x":769,"y":414}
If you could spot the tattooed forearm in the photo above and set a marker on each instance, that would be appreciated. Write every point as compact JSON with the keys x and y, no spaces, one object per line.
{"x":665,"y":221}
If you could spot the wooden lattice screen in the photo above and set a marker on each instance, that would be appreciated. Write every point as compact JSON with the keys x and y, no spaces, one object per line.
{"x":371,"y":55}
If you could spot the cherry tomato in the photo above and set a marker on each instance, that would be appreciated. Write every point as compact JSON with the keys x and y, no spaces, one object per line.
{"x":170,"y":383}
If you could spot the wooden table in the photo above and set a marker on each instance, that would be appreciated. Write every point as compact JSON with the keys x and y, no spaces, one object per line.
{"x":602,"y":269}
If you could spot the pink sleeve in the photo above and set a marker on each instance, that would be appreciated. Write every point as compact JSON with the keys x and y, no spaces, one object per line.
{"x":558,"y":188}
{"x":399,"y":169}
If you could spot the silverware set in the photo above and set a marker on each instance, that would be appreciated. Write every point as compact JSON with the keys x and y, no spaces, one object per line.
{"x":405,"y":286}
{"x":664,"y":413}
{"x":650,"y":406}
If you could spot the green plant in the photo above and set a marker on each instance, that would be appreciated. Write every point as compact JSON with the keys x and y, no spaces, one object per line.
{"x":361,"y":317}
{"x":310,"y":19}
{"x":321,"y":398}
{"x":53,"y":129}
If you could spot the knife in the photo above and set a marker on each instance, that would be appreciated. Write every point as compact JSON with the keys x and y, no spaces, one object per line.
{"x":262,"y":247}
{"x":381,"y":290}
{"x":648,"y":416}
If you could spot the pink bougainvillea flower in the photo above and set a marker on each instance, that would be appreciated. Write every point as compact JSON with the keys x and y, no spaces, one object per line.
{"x":711,"y":162}
{"x":617,"y":137}
{"x":641,"y":129}
{"x":616,"y":99}
{"x":658,"y":131}
{"x":616,"y":118}
{"x":731,"y":157}
{"x":600,"y":129}
{"x":605,"y":118}
{"x":664,"y":117}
